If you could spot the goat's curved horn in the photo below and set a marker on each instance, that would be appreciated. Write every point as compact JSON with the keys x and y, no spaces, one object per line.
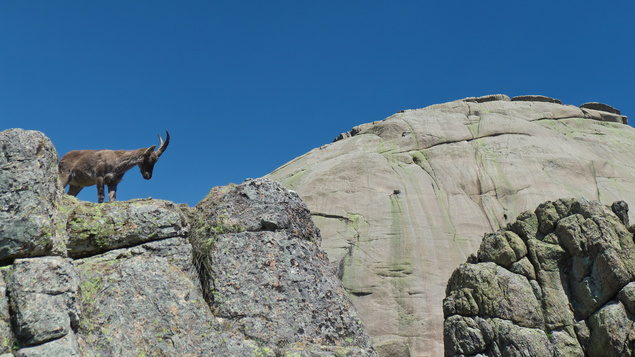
{"x":163,"y":145}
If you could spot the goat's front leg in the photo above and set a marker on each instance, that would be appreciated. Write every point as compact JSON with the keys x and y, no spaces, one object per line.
{"x":74,"y":190}
{"x":100,"y":189}
{"x":112,"y":192}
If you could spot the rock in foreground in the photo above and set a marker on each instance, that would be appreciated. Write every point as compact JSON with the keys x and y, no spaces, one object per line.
{"x":241,"y":274}
{"x":559,"y":281}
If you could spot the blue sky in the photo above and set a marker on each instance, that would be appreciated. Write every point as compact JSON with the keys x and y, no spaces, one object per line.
{"x":246,"y":86}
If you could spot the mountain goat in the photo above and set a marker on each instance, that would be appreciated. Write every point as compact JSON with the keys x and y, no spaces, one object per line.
{"x":82,"y":168}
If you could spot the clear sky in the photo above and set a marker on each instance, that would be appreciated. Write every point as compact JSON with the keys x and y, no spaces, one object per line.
{"x":246,"y":86}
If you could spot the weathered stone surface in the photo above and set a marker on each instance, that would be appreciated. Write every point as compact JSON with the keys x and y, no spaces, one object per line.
{"x":94,"y":228}
{"x":627,"y":297}
{"x":480,"y":286}
{"x":600,"y":106}
{"x":343,"y":136}
{"x":465,"y":335}
{"x":620,"y":208}
{"x":268,"y":275}
{"x":43,"y":295}
{"x":513,"y":340}
{"x":165,"y":313}
{"x":502,"y":248}
{"x":402,"y":202}
{"x":7,"y":337}
{"x":29,"y":192}
{"x":578,"y":305}
{"x":535,"y":98}
{"x":611,"y":332}
{"x":395,"y":346}
{"x":65,"y":346}
{"x":487,"y":98}
{"x":258,"y":205}
{"x":603,"y":112}
{"x":135,"y":286}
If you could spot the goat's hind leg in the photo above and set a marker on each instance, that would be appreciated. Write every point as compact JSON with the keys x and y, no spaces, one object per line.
{"x":112,"y":192}
{"x":100,"y":189}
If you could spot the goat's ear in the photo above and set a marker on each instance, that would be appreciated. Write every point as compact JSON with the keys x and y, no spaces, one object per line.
{"x":149,"y":150}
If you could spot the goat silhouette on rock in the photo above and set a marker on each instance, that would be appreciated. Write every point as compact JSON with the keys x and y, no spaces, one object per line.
{"x":83,"y":168}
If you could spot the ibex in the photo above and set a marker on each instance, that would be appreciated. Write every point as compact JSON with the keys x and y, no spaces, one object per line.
{"x":83,"y":168}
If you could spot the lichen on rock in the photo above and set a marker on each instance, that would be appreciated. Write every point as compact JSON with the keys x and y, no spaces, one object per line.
{"x":126,"y":278}
{"x":94,"y":228}
{"x":577,"y":301}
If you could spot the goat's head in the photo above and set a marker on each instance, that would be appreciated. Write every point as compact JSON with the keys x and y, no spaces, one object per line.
{"x":150,"y":157}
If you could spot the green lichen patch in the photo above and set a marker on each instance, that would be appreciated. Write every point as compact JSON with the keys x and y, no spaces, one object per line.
{"x":94,"y":228}
{"x":91,"y":225}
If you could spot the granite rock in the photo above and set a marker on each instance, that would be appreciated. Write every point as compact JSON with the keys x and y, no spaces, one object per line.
{"x":578,"y":304}
{"x":402,"y":202}
{"x":241,"y":274}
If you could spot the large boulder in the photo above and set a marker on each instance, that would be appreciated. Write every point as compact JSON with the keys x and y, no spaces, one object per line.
{"x":574,"y":299}
{"x":269,"y":276}
{"x":402,"y":202}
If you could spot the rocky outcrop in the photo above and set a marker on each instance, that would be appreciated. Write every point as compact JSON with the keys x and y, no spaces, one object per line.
{"x":556,"y":282}
{"x":535,"y":98}
{"x":240,"y":274}
{"x":487,"y":98}
{"x":404,"y":201}
{"x":600,"y":106}
{"x":268,"y":277}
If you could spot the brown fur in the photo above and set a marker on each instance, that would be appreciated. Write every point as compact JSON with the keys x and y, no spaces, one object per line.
{"x":82,"y":168}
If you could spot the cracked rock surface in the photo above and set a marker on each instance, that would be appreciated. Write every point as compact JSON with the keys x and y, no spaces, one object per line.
{"x":403,"y":201}
{"x":573,"y":298}
{"x":240,"y":274}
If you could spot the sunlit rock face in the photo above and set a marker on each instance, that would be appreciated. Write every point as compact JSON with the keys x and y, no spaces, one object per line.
{"x":404,"y":201}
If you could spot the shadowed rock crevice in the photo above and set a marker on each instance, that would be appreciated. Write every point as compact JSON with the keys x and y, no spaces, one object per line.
{"x":240,"y":274}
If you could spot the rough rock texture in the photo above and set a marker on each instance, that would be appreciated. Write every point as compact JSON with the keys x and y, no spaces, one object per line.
{"x":43,"y":299}
{"x":241,"y":274}
{"x":402,"y":202}
{"x":266,"y":246}
{"x":600,"y":106}
{"x":536,"y":98}
{"x":26,"y":208}
{"x":573,"y":295}
{"x":94,"y":228}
